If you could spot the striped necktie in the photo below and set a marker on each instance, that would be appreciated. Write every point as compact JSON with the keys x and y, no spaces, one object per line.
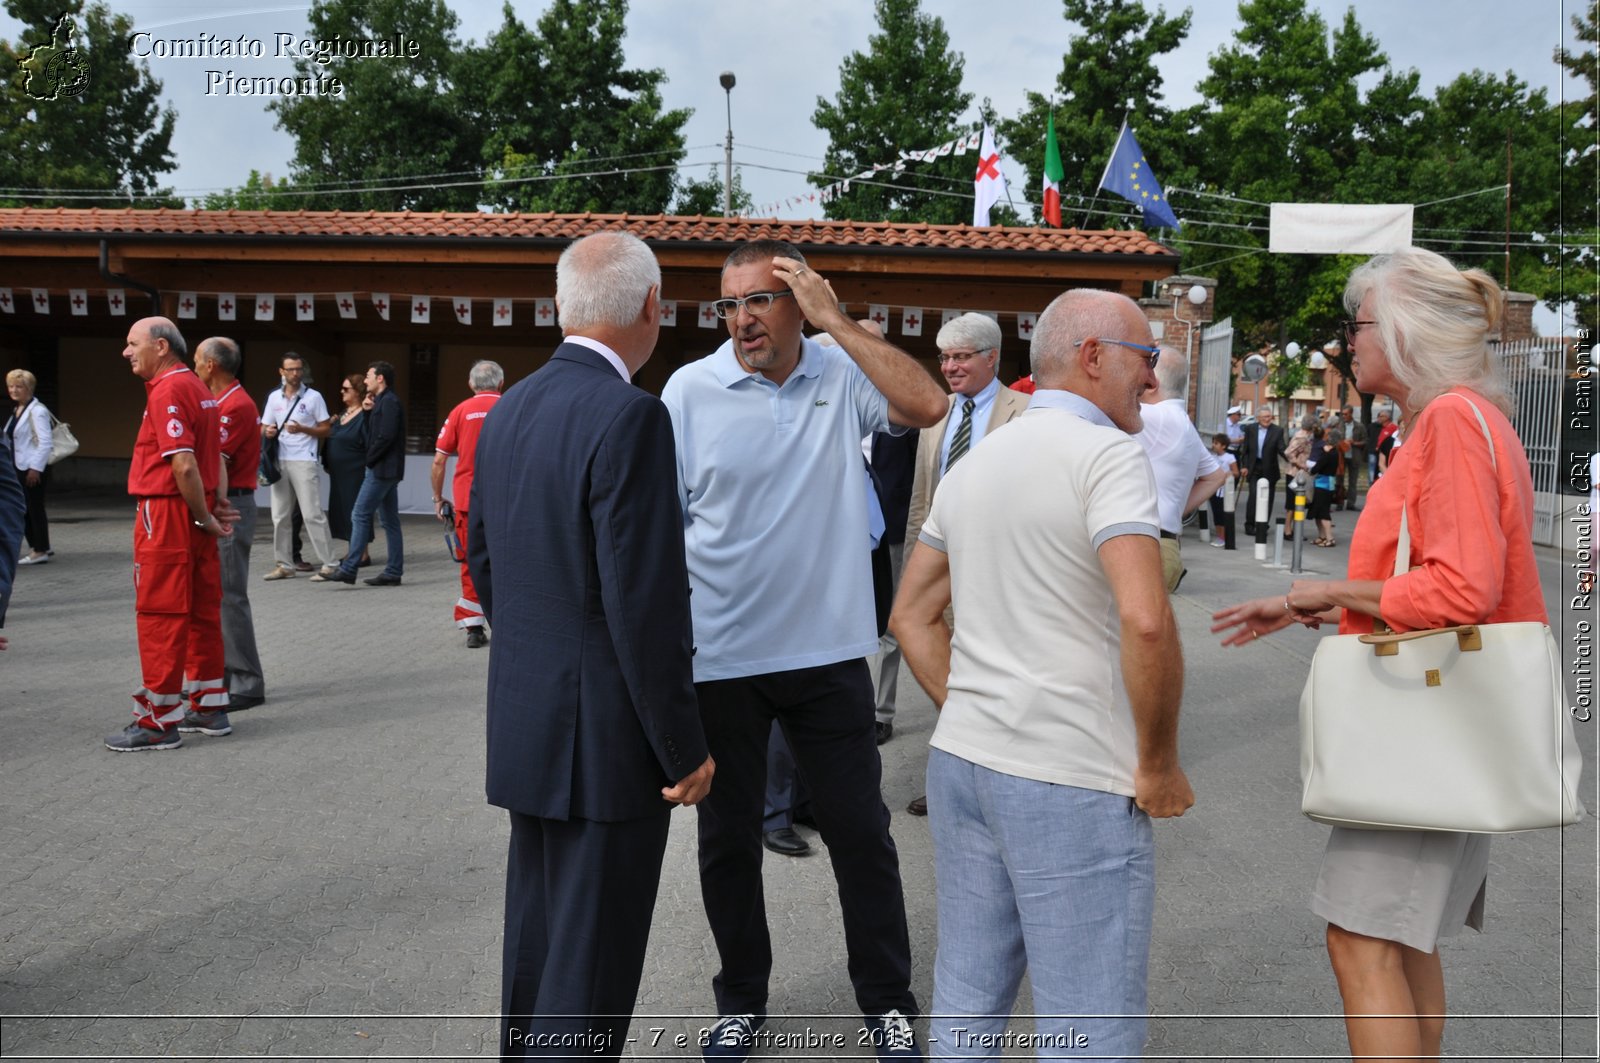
{"x":963,"y":439}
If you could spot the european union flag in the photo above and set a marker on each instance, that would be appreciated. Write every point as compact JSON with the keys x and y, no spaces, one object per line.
{"x":1129,"y":176}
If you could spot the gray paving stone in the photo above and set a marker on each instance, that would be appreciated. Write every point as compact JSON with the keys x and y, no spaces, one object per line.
{"x":308,"y":884}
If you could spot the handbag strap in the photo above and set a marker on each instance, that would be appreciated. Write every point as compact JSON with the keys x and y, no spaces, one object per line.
{"x":1402,"y":550}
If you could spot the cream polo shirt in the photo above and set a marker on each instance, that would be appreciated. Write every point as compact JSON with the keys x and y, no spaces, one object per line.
{"x":1036,"y":685}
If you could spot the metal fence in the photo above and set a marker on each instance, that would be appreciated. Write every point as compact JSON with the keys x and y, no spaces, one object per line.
{"x":1216,"y":363}
{"x":1536,"y":375}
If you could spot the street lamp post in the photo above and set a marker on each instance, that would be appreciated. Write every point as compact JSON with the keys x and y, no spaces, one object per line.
{"x":728,"y":81}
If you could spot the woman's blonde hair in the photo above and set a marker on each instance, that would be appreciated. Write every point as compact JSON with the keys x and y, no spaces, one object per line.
{"x":1434,"y":322}
{"x":25,"y":378}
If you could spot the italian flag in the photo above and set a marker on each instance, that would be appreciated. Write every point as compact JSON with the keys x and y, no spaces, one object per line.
{"x":1053,"y":173}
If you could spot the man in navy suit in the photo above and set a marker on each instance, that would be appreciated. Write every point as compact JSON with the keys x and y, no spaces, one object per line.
{"x":575,"y":543}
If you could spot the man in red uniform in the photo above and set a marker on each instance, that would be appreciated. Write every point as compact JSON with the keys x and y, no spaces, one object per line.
{"x":459,"y":437}
{"x":175,"y":474}
{"x":216,"y":363}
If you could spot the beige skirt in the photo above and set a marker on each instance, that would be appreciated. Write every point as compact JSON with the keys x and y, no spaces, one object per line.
{"x":1409,"y":886}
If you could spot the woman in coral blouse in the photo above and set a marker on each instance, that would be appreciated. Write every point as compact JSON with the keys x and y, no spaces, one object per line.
{"x":1420,"y":335}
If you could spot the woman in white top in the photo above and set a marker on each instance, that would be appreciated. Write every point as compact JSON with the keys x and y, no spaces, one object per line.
{"x":29,"y":429}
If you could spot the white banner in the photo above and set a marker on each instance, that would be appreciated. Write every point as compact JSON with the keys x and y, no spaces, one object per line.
{"x":1026,"y":323}
{"x":7,"y":305}
{"x":227,"y":306}
{"x":266,"y":307}
{"x":544,"y":311}
{"x":79,"y":299}
{"x":421,"y":309}
{"x":41,"y":300}
{"x":464,"y":311}
{"x":1339,"y":228}
{"x":305,"y":307}
{"x":346,"y":301}
{"x":115,"y":302}
{"x":911,"y":321}
{"x":502,"y":312}
{"x":380,"y":303}
{"x":707,"y":317}
{"x":669,"y":313}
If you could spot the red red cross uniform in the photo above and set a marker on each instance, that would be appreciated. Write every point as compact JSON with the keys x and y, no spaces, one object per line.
{"x":240,"y":436}
{"x":459,"y":436}
{"x":176,"y":575}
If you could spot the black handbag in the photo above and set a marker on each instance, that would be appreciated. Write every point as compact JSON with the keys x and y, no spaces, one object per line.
{"x":269,"y":472}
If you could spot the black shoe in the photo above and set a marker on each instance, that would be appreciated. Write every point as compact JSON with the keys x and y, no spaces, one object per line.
{"x":885,"y":731}
{"x":338,"y":575}
{"x":382,"y":579}
{"x":240,"y":702}
{"x":364,"y":562}
{"x":476,"y":639}
{"x":785,"y":842}
{"x":918,"y":806}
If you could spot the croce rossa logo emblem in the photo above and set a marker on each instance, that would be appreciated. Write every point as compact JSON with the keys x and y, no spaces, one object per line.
{"x":56,"y":70}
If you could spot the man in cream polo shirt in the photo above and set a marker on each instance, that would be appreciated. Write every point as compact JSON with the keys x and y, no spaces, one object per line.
{"x":1058,"y":736}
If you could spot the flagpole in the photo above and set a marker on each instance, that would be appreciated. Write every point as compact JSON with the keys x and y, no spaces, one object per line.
{"x":1107,"y":172}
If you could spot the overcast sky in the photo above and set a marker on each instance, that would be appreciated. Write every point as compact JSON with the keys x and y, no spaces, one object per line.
{"x":786,"y":55}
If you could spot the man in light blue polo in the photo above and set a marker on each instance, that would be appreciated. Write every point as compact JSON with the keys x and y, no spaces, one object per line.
{"x":769,"y":431}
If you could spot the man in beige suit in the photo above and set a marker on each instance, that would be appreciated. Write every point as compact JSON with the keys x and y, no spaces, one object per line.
{"x":969,"y":354}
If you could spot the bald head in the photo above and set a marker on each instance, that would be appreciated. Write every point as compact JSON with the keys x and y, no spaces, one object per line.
{"x":1172,"y":377}
{"x":1080,"y":346}
{"x":154,"y":345}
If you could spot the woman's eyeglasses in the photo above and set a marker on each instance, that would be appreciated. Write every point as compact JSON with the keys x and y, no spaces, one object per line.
{"x":1352,"y":327}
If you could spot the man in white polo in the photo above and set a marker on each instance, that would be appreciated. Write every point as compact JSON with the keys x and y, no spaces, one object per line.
{"x":1058,"y":735}
{"x":1186,"y":472}
{"x":297,"y":417}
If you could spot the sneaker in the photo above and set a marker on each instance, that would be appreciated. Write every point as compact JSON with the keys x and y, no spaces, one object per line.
{"x":732,"y":1038}
{"x":280,"y":572}
{"x":214,"y":723}
{"x":1219,"y":544}
{"x":476,"y":639}
{"x":135,"y":737}
{"x":34,"y":559}
{"x":892,"y":1037}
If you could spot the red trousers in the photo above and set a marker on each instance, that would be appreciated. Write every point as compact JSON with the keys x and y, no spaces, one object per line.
{"x":469,"y":611}
{"x":177,"y":582}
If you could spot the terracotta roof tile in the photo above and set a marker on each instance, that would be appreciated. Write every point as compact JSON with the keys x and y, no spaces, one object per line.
{"x":657,"y":227}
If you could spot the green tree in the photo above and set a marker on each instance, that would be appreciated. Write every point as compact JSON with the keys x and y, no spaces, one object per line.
{"x":102,"y":132}
{"x":1112,"y":60}
{"x":903,"y":93}
{"x":259,"y":192}
{"x":704,"y":198}
{"x":1579,"y":229}
{"x":400,"y":122}
{"x":561,"y":102}
{"x":1284,"y":120}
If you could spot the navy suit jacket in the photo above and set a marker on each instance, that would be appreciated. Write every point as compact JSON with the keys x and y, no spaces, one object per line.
{"x":575,"y":544}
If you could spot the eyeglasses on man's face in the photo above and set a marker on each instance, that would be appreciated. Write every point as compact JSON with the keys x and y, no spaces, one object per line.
{"x":958,"y":357}
{"x":1150,"y":353}
{"x":1350,"y":328}
{"x":757,"y":303}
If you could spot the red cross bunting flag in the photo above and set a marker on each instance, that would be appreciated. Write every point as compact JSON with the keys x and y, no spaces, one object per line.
{"x":1026,"y":323}
{"x":947,"y":316}
{"x":463,"y":309}
{"x":8,"y":304}
{"x":78,"y":299}
{"x":380,"y":303}
{"x":188,"y":305}
{"x":911,"y":321}
{"x":421,"y":309}
{"x":41,"y":301}
{"x":669,"y":313}
{"x":544,"y":311}
{"x":305,"y":307}
{"x":266,"y":307}
{"x":988,"y":184}
{"x":502,"y":312}
{"x":879,"y":315}
{"x":116,"y":302}
{"x":707,"y":317}
{"x":346,"y":302}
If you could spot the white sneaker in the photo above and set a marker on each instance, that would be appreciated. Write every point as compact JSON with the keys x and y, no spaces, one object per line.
{"x":281,"y":572}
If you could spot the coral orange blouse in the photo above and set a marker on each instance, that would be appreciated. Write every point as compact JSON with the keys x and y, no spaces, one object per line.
{"x":1470,"y":518}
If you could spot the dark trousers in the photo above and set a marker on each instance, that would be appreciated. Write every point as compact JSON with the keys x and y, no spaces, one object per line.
{"x":241,"y":661}
{"x":826,"y":715}
{"x":579,"y":898}
{"x":35,"y":526}
{"x":787,"y":794}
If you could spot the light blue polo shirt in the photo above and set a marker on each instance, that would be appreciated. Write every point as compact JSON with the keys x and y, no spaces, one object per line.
{"x":775,"y":519}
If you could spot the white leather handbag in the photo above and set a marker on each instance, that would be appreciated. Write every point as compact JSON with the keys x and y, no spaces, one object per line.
{"x":1456,"y":728}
